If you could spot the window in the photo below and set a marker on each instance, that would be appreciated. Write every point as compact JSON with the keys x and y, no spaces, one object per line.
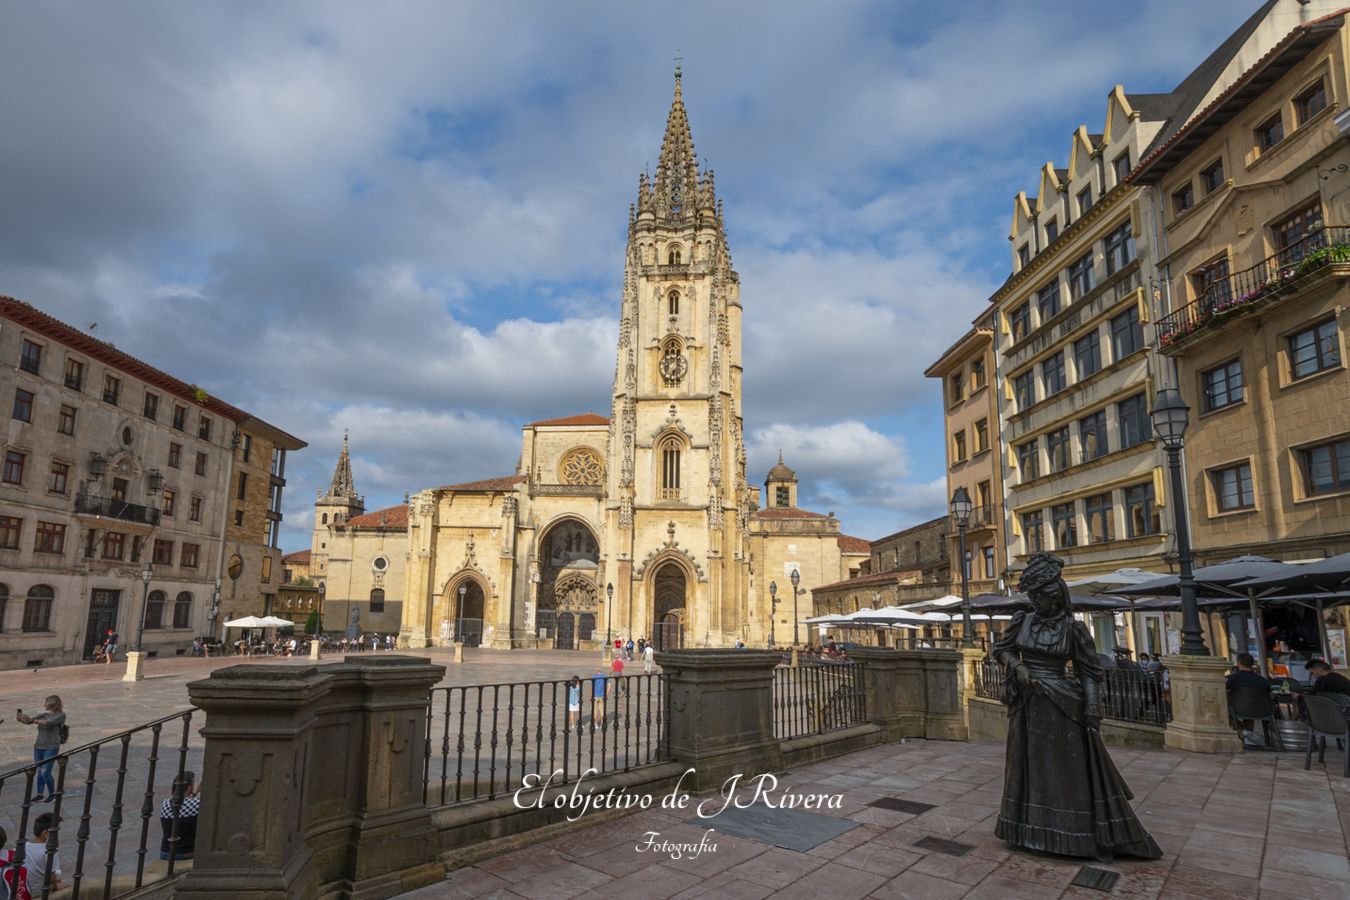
{"x":1066,"y":528}
{"x":9,"y":532}
{"x":151,"y":408}
{"x":37,"y":611}
{"x":200,"y":466}
{"x":243,"y":486}
{"x":976,"y":375}
{"x":1233,"y":487}
{"x":1210,"y":281}
{"x":1132,"y":421}
{"x":1222,"y":386}
{"x":114,"y":544}
{"x":180,"y":417}
{"x":674,"y":255}
{"x":1031,"y":531}
{"x":1141,"y":515}
{"x":1127,"y":335}
{"x":136,"y":543}
{"x":981,"y":435}
{"x":1121,"y":165}
{"x":182,"y":610}
{"x":1084,"y":200}
{"x":58,"y":481}
{"x":23,"y":405}
{"x":1052,"y":374}
{"x":30,"y":356}
{"x":1051,"y":231}
{"x":1019,"y":321}
{"x":1119,"y":248}
{"x":1087,"y":354}
{"x":1098,"y":512}
{"x":168,"y":502}
{"x":51,"y":538}
{"x":1294,"y":228}
{"x":65,"y":423}
{"x":377,"y":600}
{"x":1327,"y":467}
{"x":782,"y":496}
{"x":239,"y":518}
{"x":984,"y":498}
{"x":154,"y":610}
{"x":1028,"y":460}
{"x":13,"y":470}
{"x":163,"y":552}
{"x":188,"y":556}
{"x":1315,"y":349}
{"x":1310,"y":103}
{"x":1023,"y":256}
{"x":1183,"y":198}
{"x":267,"y":570}
{"x":247,"y":446}
{"x":956,"y":386}
{"x":959,"y":446}
{"x":112,"y":389}
{"x":673,"y":303}
{"x":1047,"y":301}
{"x":175,"y":455}
{"x":74,"y":373}
{"x":1092,"y":439}
{"x":1024,"y":389}
{"x":1270,"y":132}
{"x":119,"y":489}
{"x":989,"y":564}
{"x":1057,"y":448}
{"x":1080,"y":276}
{"x":204,"y":428}
{"x":1211,"y":177}
{"x":195,"y":509}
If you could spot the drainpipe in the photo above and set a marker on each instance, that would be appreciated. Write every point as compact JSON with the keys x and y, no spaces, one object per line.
{"x":217,"y":628}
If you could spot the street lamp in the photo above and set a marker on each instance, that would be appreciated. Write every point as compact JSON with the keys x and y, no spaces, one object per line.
{"x":961,"y":508}
{"x":773,"y":609}
{"x":1170,"y":416}
{"x":609,"y":607}
{"x":459,"y":613}
{"x":318,"y":620}
{"x":796,"y":578}
{"x":145,"y":599}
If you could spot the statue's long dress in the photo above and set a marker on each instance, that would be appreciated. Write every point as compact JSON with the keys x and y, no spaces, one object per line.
{"x":1061,"y":792}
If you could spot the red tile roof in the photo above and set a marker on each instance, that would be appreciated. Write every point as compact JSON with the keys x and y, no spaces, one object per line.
{"x":788,"y":512}
{"x":394,"y":518}
{"x":583,"y":419}
{"x":850,"y":544}
{"x":299,"y":558}
{"x":504,"y":483}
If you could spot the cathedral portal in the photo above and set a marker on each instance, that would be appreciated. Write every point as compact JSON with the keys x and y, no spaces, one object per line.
{"x":668,"y":605}
{"x":569,"y":597}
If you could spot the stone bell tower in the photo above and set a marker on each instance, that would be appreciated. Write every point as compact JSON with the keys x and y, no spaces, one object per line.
{"x":677,"y":500}
{"x":340,"y":503}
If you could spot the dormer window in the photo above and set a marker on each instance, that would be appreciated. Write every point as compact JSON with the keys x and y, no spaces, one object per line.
{"x":1023,"y":256}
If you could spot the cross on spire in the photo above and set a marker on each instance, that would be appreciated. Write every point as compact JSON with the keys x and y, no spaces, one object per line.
{"x":679,"y":63}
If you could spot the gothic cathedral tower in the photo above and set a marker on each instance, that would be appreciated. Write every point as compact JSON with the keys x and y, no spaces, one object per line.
{"x":677,"y":496}
{"x":339,"y":504}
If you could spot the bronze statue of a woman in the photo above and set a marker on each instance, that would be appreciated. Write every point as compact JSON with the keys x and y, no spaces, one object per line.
{"x":1061,"y":792}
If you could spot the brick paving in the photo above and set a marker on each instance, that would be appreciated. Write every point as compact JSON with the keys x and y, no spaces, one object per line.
{"x":1253,"y":825}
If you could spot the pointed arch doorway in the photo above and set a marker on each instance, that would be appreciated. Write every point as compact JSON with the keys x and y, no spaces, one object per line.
{"x":668,"y":605}
{"x":568,"y":592}
{"x":469,"y":615}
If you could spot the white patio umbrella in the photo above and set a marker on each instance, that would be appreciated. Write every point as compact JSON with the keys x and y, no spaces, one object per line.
{"x":274,"y":622}
{"x":246,"y":622}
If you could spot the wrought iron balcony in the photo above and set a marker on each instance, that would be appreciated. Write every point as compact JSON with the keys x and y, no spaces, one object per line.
{"x":110,"y":508}
{"x":1237,"y":294}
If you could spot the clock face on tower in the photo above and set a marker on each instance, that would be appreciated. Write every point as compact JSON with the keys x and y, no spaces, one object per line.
{"x":673,"y":367}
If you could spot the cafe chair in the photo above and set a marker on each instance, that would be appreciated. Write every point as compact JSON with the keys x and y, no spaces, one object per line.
{"x":1326,"y":719}
{"x":1255,"y":703}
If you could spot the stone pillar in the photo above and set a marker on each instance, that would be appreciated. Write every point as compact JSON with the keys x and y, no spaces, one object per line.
{"x":135,"y":659}
{"x":944,"y":714}
{"x":250,"y":838}
{"x":314,"y":648}
{"x":971,"y":658}
{"x":893,"y":686}
{"x":721,"y":713}
{"x":1199,"y":706}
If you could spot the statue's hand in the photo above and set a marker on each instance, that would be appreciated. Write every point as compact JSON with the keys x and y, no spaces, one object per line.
{"x":1025,"y":678}
{"x":1092,"y":717}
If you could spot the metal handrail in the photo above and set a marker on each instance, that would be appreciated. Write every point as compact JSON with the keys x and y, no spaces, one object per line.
{"x":815,"y":699}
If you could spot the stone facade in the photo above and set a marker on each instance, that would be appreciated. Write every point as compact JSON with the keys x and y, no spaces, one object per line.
{"x":111,"y":465}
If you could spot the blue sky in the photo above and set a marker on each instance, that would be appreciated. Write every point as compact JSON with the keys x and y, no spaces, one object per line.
{"x":407,"y":220}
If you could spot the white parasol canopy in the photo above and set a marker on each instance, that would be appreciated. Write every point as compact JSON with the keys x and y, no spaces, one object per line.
{"x":247,"y":622}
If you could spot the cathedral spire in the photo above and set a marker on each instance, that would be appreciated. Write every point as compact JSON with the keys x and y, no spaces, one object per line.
{"x":342,"y":486}
{"x":676,"y":185}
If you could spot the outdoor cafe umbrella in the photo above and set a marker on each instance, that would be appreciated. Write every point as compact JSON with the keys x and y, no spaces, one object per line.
{"x":246,"y":622}
{"x":1011,"y":603}
{"x":1107,"y":583}
{"x":1320,"y":581}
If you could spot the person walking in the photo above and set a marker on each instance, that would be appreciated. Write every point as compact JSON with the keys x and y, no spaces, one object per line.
{"x":648,"y":658}
{"x":50,"y":729}
{"x":110,"y":646}
{"x":628,"y":650}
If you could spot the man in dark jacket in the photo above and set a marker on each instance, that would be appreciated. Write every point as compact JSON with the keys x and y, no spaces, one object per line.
{"x":1327,"y":681}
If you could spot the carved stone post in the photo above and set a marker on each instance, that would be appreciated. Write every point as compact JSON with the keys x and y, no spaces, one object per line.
{"x":721,"y":713}
{"x":944,"y":717}
{"x":893,"y":682}
{"x":1199,"y":706}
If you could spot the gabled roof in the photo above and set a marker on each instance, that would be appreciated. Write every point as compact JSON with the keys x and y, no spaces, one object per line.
{"x":788,"y":512}
{"x":582,"y":419}
{"x":393,"y":518}
{"x":299,"y":558}
{"x":487,"y":485}
{"x":850,"y":544}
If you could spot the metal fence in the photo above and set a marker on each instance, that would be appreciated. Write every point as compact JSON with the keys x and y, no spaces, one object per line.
{"x":814,"y":699}
{"x":1127,"y":695}
{"x":109,"y":798}
{"x":482,"y":740}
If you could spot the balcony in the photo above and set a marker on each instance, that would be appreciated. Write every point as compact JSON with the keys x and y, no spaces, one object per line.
{"x":1242,"y":292}
{"x":109,"y":508}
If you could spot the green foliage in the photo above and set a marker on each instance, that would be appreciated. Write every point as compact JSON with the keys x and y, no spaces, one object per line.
{"x":311,"y":623}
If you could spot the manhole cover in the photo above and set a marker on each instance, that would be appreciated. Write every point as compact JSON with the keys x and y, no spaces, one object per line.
{"x":942,"y":845}
{"x":1096,"y":879}
{"x":904,"y":806}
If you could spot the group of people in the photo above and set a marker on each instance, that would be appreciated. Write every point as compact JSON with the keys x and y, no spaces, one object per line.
{"x":1325,"y":681}
{"x":630,"y":651}
{"x":106,"y":651}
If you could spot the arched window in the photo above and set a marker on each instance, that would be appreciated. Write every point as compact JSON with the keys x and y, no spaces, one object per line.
{"x":377,"y":600}
{"x":674,"y":303}
{"x":670,"y":468}
{"x":673,"y":255}
{"x":325,"y":518}
{"x":154,"y":610}
{"x":4,"y":602}
{"x":182,"y":610}
{"x":37,"y":611}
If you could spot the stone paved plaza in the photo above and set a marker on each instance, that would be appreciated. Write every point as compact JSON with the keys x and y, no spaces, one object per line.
{"x":1231,"y":827}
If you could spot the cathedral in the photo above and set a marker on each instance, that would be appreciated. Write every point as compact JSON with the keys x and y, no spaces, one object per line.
{"x":639,"y":523}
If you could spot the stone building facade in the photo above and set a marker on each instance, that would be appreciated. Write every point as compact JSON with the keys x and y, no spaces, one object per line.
{"x":112,"y":466}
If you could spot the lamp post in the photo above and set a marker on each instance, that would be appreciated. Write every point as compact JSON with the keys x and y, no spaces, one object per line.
{"x":609,"y":612}
{"x":459,"y":613}
{"x":318,"y":620}
{"x":796,"y":579}
{"x":146,"y":572}
{"x":960,"y":509}
{"x":773,"y":609}
{"x":1170,"y":416}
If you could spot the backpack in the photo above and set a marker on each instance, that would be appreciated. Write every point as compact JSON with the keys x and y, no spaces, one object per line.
{"x":13,"y":879}
{"x":65,"y":732}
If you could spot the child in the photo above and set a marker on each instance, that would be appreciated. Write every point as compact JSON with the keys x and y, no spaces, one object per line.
{"x":573,"y":702}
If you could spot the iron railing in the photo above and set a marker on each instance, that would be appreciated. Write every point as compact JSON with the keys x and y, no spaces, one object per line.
{"x":482,"y":740}
{"x":111,"y":508}
{"x":95,"y":785}
{"x":1232,"y":294}
{"x":1127,"y":695}
{"x":814,"y":699}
